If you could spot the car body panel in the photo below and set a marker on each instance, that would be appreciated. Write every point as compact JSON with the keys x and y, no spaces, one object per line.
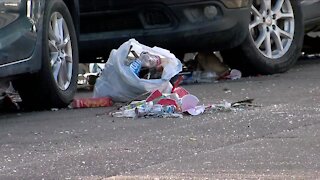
{"x":16,"y":34}
{"x":106,"y":5}
{"x":20,"y":40}
{"x":310,"y":9}
{"x":311,"y":13}
{"x":21,"y":29}
{"x":182,"y":25}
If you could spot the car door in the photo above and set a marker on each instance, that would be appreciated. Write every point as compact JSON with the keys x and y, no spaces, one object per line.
{"x":17,"y":30}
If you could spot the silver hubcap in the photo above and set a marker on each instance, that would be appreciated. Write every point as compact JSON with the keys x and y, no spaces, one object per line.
{"x":272,"y":27}
{"x":60,"y":51}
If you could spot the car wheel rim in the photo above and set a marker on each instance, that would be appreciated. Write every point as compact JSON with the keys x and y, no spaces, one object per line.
{"x":60,"y":51}
{"x":272,"y":27}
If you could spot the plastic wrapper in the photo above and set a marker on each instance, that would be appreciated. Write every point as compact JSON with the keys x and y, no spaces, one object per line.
{"x":91,"y":102}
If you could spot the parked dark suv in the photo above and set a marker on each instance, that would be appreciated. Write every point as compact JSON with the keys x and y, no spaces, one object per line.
{"x":41,"y":41}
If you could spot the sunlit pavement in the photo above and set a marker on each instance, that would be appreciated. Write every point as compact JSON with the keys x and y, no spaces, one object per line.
{"x":278,"y":140}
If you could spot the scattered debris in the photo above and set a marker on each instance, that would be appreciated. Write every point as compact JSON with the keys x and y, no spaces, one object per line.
{"x":226,"y":90}
{"x":225,"y":106}
{"x":88,"y":74}
{"x":87,"y":80}
{"x":9,"y":98}
{"x":234,"y":74}
{"x":209,"y":62}
{"x":8,"y":103}
{"x":174,"y":105}
{"x":207,"y":68}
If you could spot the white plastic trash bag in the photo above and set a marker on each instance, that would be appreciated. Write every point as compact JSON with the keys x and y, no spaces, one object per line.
{"x":120,"y":83}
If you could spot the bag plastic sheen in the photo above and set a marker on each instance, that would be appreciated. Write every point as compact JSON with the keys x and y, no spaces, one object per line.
{"x":120,"y":83}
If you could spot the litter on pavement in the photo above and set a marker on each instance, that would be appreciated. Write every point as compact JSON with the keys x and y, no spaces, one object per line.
{"x":175,"y":105}
{"x":141,"y":77}
{"x":204,"y":67}
{"x":88,"y":74}
{"x":8,"y":102}
{"x":91,"y":102}
{"x":9,"y":98}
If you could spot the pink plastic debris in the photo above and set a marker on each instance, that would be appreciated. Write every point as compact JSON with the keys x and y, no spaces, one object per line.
{"x":188,"y":102}
{"x":197,"y":110}
{"x":154,"y":95}
{"x":168,"y":102}
{"x":234,"y":74}
{"x":181,"y":91}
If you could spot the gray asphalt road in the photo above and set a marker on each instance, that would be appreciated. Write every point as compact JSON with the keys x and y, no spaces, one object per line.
{"x":276,"y":141}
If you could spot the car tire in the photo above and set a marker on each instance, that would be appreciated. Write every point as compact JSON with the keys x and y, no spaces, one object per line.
{"x":274,"y":39}
{"x":54,"y":86}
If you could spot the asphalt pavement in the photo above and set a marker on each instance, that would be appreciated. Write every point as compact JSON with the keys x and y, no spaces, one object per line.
{"x":279,"y":140}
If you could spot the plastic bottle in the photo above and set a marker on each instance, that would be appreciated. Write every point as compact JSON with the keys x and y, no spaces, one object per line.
{"x":130,"y":113}
{"x":169,"y":109}
{"x":149,"y":61}
{"x":135,"y":66}
{"x":157,"y":109}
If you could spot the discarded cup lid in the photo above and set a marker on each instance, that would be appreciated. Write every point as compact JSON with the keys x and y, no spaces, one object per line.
{"x":189,"y":101}
{"x":196,"y":111}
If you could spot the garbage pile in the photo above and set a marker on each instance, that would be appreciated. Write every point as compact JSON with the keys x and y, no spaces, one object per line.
{"x":200,"y":67}
{"x":134,"y":71}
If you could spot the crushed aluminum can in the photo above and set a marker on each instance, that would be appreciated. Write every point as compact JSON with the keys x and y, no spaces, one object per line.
{"x":144,"y":109}
{"x":141,"y":112}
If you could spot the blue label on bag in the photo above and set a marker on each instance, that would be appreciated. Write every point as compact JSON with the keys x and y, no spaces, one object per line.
{"x":135,"y":66}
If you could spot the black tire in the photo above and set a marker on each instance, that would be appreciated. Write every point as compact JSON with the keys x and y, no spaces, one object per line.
{"x":250,"y":59}
{"x":41,"y":90}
